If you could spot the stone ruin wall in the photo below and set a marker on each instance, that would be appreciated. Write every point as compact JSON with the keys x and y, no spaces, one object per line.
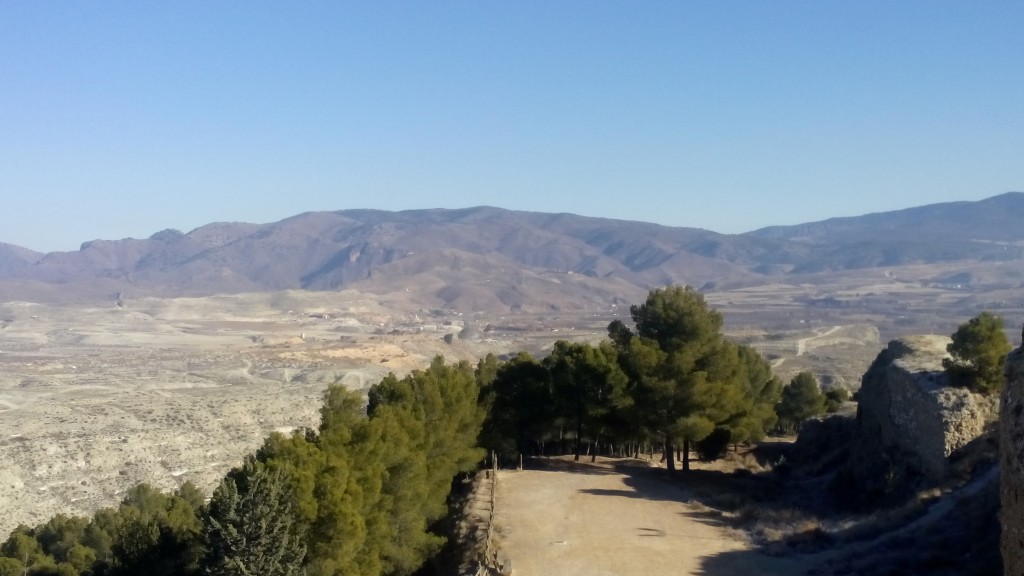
{"x":1011,"y":464}
{"x":907,"y":408}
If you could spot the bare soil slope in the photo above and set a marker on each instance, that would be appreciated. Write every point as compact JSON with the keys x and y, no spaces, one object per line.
{"x":163,"y":391}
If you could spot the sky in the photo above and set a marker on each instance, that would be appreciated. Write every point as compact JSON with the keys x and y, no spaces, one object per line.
{"x":121,"y":119}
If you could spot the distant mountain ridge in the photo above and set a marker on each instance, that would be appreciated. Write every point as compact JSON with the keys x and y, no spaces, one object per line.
{"x":471,"y":246}
{"x":988,"y":229}
{"x":997,"y":218}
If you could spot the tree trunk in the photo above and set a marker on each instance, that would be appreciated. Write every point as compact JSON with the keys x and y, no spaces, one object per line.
{"x":579,"y":438}
{"x":593,"y":457}
{"x":670,"y":455}
{"x":686,"y":454}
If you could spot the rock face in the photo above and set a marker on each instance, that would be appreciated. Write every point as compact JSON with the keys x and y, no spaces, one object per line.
{"x":908,"y":414}
{"x":1011,"y":464}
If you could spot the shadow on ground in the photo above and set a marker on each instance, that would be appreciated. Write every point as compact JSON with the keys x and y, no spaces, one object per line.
{"x":794,"y":527}
{"x":542,"y":464}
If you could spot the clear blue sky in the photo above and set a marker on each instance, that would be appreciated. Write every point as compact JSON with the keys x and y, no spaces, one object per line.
{"x":120,"y":119}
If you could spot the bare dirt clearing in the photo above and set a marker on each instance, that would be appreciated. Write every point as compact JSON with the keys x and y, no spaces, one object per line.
{"x":607,"y":519}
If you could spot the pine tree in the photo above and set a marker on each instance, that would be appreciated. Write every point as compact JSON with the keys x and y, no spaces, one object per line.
{"x":337,"y":535}
{"x":22,"y":546}
{"x":686,"y":378}
{"x":398,"y":529}
{"x":424,"y":431}
{"x":977,"y":354}
{"x":520,"y":407}
{"x":11,"y":567}
{"x":801,"y":399}
{"x":486,"y":371}
{"x":250,"y":525}
{"x":588,"y":386}
{"x":155,"y":533}
{"x":754,"y":414}
{"x":300,"y":461}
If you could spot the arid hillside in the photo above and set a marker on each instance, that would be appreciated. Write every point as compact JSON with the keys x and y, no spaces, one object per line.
{"x":96,"y":400}
{"x":486,"y":258}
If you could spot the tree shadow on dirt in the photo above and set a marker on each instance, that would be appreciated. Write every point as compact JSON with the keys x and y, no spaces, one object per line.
{"x":715,"y":498}
{"x":717,"y":489}
{"x":543,"y":464}
{"x":753,"y":563}
{"x":712,"y":498}
{"x":793,"y":527}
{"x":709,"y":517}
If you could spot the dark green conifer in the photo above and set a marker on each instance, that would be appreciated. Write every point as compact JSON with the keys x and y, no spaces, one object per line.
{"x":977,"y":354}
{"x":250,"y":525}
{"x":801,"y":399}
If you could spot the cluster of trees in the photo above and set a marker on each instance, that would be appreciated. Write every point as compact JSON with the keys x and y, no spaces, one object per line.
{"x":575,"y":394}
{"x":358,"y":496}
{"x":149,"y":533}
{"x":673,"y":381}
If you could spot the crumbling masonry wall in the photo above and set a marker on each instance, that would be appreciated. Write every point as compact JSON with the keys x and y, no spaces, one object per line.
{"x":1011,"y":463}
{"x":907,"y":408}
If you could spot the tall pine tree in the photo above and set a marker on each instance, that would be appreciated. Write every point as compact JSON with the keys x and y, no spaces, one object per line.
{"x":685,"y":378}
{"x":250,"y":525}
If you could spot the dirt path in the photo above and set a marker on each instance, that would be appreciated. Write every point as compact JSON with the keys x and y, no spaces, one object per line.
{"x":595,"y":521}
{"x":801,"y":344}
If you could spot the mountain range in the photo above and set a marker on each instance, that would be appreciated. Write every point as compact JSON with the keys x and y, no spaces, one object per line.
{"x":493,"y":258}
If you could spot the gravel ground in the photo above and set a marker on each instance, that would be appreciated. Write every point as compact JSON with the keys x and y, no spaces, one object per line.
{"x":596,"y":520}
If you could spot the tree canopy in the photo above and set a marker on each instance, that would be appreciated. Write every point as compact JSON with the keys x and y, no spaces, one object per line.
{"x":588,"y":386}
{"x":686,"y":378}
{"x":250,"y":525}
{"x":675,"y":378}
{"x":977,"y":354}
{"x":801,"y":399}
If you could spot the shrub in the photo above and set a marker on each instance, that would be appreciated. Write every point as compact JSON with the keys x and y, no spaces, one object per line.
{"x":835,"y":398}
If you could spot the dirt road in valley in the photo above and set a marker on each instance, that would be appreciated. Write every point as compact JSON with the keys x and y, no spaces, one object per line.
{"x":801,"y":344}
{"x":596,"y":520}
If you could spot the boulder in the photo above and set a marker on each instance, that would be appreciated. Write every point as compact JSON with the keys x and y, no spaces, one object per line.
{"x":909,"y":414}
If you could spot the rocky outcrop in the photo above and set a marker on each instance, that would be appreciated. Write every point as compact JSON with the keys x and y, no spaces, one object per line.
{"x":1011,"y":464}
{"x":910,"y":416}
